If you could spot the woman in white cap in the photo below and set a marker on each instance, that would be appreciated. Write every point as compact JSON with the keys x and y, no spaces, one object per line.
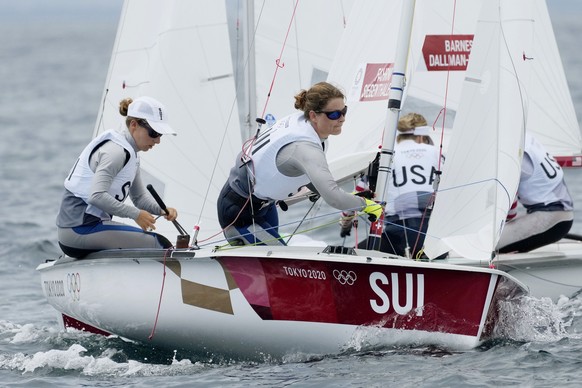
{"x":104,"y":175}
{"x":410,"y":190}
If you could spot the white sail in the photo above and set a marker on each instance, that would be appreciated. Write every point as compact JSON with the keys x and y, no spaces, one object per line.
{"x":442,"y":37}
{"x":288,"y":46}
{"x":552,"y":118}
{"x":441,"y":43}
{"x":363,"y":66}
{"x":178,"y":52}
{"x":481,"y":174}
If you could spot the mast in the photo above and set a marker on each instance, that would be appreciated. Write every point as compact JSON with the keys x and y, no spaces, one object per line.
{"x":395,"y":97}
{"x":394,"y":104}
{"x":241,"y":22}
{"x":250,"y":70}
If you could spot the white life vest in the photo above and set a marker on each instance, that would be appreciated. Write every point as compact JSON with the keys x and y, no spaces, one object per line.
{"x":80,"y":178}
{"x":269,"y":182}
{"x":413,"y":170}
{"x":540,"y":187}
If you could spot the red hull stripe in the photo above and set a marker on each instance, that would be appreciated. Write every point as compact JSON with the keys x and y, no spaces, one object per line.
{"x":76,"y":324}
{"x":444,"y":301}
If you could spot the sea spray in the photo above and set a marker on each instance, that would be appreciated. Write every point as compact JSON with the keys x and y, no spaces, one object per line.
{"x":530,"y":319}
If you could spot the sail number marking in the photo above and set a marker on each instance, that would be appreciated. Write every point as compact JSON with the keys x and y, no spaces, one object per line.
{"x":380,"y":285}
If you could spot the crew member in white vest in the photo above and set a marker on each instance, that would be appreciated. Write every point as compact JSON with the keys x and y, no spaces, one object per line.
{"x":285,"y":157}
{"x":410,"y":190}
{"x":543,"y":193}
{"x":104,"y":175}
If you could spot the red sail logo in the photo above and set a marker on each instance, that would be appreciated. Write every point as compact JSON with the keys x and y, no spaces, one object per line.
{"x":376,"y":84}
{"x":447,"y":52}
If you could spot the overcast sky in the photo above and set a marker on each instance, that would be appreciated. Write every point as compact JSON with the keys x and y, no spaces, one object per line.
{"x":108,"y":10}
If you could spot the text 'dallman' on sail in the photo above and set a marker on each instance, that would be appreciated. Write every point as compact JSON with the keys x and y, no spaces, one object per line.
{"x":447,"y":52}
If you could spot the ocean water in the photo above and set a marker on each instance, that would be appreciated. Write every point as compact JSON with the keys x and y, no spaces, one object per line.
{"x":51,"y":78}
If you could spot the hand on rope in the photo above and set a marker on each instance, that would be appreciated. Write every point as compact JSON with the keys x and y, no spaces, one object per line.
{"x":346,"y":222}
{"x":373,"y":210}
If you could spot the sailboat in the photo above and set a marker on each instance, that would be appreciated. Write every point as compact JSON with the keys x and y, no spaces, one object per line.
{"x":253,"y":301}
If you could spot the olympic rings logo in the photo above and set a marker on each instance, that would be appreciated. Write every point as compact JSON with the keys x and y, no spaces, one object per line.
{"x":345,"y":277}
{"x":74,"y":285}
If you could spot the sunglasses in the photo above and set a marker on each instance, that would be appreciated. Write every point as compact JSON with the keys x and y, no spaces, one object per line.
{"x":151,"y":133}
{"x":335,"y":114}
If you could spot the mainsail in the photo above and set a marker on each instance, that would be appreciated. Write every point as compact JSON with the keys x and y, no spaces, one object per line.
{"x":481,"y":174}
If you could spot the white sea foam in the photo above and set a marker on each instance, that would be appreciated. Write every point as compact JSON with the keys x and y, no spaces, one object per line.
{"x":532,"y":319}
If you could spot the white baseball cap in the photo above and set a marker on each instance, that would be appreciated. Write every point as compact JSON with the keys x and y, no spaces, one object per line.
{"x":153,"y":112}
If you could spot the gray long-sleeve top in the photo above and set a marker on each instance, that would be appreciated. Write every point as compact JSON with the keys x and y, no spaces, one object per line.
{"x":298,"y":158}
{"x":107,"y":162}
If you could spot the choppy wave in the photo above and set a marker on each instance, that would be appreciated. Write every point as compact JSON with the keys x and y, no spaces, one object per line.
{"x":532,"y":319}
{"x":532,"y":326}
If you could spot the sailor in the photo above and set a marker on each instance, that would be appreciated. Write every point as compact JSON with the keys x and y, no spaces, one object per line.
{"x":409,"y":196}
{"x":543,"y":193}
{"x":104,"y":175}
{"x":286,"y":156}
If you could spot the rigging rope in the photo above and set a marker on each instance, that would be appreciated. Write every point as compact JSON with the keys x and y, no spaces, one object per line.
{"x":161,"y":294}
{"x":278,"y":62}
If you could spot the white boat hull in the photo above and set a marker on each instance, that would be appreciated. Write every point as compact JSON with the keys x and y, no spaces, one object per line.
{"x":553,"y":271}
{"x":257,"y":302}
